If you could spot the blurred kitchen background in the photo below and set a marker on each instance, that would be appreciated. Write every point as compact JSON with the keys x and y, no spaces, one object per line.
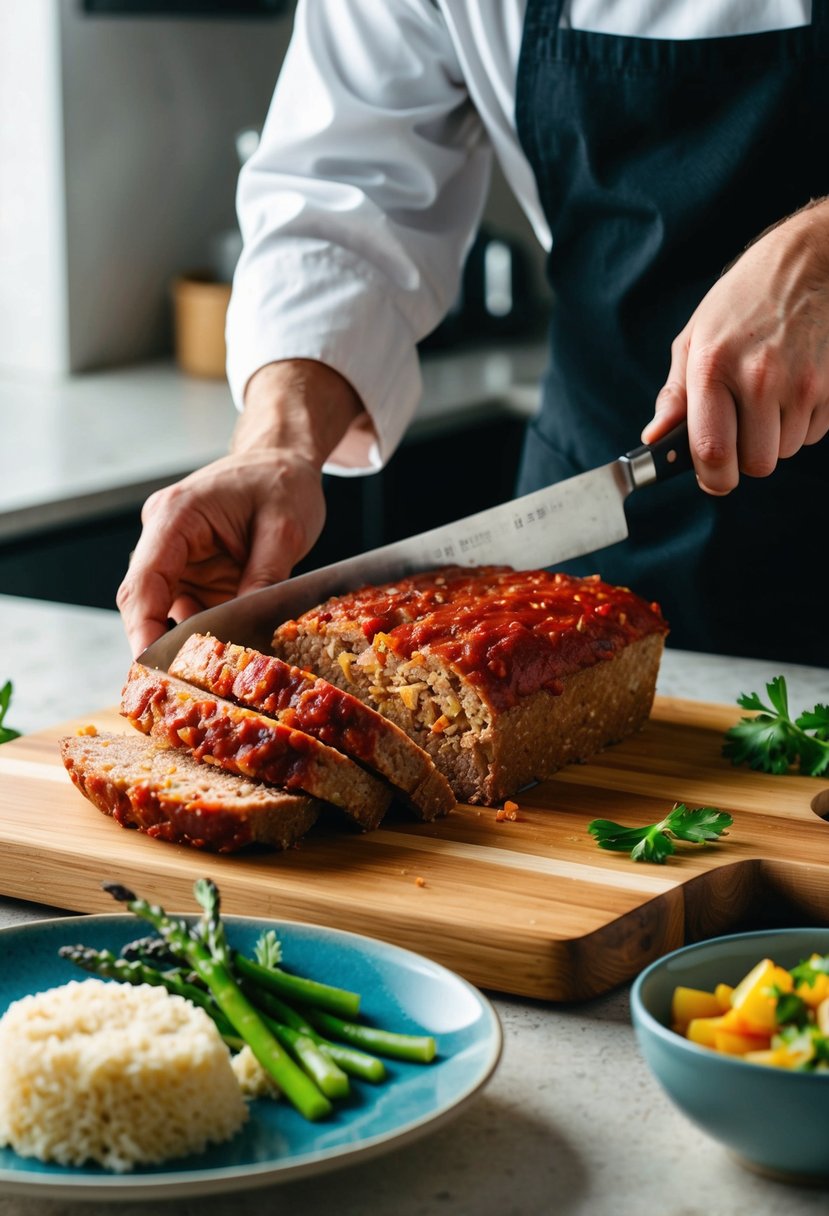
{"x":123,"y":124}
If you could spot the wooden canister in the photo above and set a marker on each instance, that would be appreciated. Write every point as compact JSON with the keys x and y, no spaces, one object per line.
{"x":199,"y":312}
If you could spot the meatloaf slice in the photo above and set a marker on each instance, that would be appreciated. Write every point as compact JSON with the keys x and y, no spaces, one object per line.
{"x":303,"y":700}
{"x":250,"y":744}
{"x":168,"y":794}
{"x":502,"y":676}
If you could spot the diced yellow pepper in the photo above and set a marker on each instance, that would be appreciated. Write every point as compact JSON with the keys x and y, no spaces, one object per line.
{"x":760,"y":973}
{"x":742,"y":1021}
{"x":754,"y":998}
{"x":724,"y":993}
{"x":690,"y":1003}
{"x":782,"y":980}
{"x":813,"y":994}
{"x":704,"y":1030}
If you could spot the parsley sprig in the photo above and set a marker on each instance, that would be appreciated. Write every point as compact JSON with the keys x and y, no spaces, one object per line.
{"x":6,"y":732}
{"x":655,"y":842}
{"x":773,"y":742}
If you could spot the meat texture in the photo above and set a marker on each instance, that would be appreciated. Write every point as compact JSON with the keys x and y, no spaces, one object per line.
{"x":303,"y":700}
{"x":250,"y":744}
{"x":171,"y":796}
{"x":502,"y":676}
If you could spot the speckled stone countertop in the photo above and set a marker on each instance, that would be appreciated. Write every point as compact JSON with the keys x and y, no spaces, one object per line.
{"x":571,"y":1124}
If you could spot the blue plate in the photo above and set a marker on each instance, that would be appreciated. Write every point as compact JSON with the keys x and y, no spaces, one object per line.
{"x":400,"y":991}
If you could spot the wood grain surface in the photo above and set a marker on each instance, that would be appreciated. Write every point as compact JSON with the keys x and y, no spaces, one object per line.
{"x":530,"y":907}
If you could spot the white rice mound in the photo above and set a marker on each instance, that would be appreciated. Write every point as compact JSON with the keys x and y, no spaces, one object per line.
{"x":116,"y":1074}
{"x":251,"y":1076}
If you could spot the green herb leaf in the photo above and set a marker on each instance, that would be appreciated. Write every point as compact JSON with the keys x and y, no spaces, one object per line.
{"x":816,"y":719}
{"x":656,"y":846}
{"x":791,"y":1009}
{"x":268,"y":949}
{"x":6,"y":732}
{"x":704,"y":823}
{"x":655,"y":841}
{"x":772,"y":742}
{"x":610,"y":835}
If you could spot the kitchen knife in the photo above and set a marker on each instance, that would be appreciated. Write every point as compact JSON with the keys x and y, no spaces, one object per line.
{"x":568,"y":519}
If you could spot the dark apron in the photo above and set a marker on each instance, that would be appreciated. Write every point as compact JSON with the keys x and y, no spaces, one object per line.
{"x":656,"y":163}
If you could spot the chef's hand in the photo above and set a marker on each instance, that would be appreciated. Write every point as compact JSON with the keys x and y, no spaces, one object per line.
{"x":751,"y":368}
{"x":242,"y":522}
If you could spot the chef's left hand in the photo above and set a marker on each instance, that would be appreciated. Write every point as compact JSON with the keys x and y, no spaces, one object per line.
{"x":751,"y":368}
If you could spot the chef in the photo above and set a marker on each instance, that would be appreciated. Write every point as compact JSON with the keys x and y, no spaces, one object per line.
{"x":672,"y":156}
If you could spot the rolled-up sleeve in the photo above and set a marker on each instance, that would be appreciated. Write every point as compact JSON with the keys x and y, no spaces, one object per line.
{"x":358,"y":208}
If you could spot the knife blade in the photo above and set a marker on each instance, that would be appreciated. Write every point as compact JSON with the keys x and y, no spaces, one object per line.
{"x":568,"y":519}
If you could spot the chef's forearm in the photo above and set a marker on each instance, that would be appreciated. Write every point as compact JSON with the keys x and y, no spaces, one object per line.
{"x":297,"y":404}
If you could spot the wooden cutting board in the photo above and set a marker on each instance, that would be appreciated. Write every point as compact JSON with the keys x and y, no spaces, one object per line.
{"x":531,"y":907}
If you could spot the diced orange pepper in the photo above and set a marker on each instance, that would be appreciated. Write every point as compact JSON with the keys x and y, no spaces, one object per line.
{"x":733,"y":1019}
{"x":735,"y":1044}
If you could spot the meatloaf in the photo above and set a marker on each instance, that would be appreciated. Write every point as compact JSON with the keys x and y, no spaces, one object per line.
{"x":250,"y":744}
{"x":303,"y":700}
{"x":502,"y":676}
{"x":171,"y":796}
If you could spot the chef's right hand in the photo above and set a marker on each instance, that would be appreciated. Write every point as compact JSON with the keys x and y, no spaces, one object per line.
{"x":750,"y":370}
{"x":245,"y":520}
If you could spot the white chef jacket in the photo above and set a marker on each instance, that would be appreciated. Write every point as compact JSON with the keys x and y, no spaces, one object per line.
{"x":361,"y":202}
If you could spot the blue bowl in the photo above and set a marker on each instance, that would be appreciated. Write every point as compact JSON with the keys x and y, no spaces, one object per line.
{"x":773,"y":1120}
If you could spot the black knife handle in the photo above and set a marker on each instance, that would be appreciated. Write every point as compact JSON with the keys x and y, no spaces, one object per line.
{"x":667,"y":457}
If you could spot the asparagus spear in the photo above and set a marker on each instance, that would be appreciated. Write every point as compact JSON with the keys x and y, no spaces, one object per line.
{"x":417,"y":1048}
{"x":293,"y":1082}
{"x":266,"y":971}
{"x":297,"y":988}
{"x":211,"y":926}
{"x":349,"y":1059}
{"x":324,"y":1072}
{"x":149,"y":949}
{"x":320,"y":1067}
